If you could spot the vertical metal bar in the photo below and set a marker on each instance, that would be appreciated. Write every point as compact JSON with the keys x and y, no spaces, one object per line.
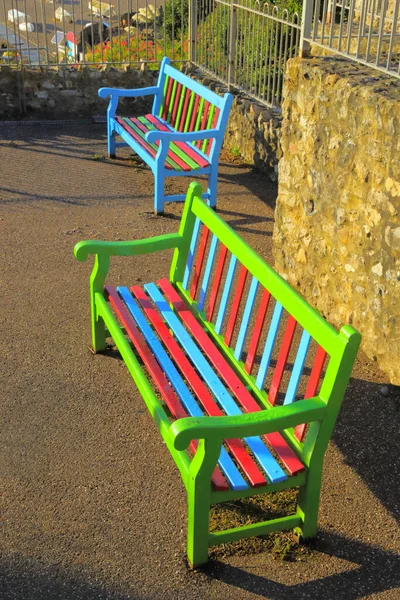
{"x":342,"y":11}
{"x":306,"y":20}
{"x":380,"y":31}
{"x":350,"y":25}
{"x":232,"y":45}
{"x":372,"y":16}
{"x":332,"y":23}
{"x":393,"y":34}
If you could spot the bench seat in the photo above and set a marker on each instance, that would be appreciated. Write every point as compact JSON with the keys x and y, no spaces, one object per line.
{"x":181,"y":156}
{"x":164,"y":340}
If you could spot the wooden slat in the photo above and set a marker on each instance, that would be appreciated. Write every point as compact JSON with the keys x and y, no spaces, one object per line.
{"x":177,"y":100}
{"x":199,"y":262}
{"x":192,"y":250}
{"x":282,"y":358}
{"x":248,"y":309}
{"x":249,"y":404}
{"x":216,"y":283}
{"x":173,"y":156}
{"x":182,"y":119}
{"x":312,"y":386}
{"x":299,"y":361}
{"x":269,"y":345}
{"x":167,"y":98}
{"x":203,"y":123}
{"x":207,"y":273}
{"x":235,"y":305}
{"x":139,"y":137}
{"x":255,"y":338}
{"x":235,"y":446}
{"x":194,"y":113}
{"x":225,"y":294}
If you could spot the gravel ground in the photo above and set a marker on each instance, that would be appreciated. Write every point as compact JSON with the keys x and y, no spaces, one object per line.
{"x":93,"y":507}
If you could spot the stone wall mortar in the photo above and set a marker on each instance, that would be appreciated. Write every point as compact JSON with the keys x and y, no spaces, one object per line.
{"x":253,"y":129}
{"x":337,"y":222}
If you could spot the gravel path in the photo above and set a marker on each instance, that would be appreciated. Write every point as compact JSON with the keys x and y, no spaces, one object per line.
{"x":93,"y":507}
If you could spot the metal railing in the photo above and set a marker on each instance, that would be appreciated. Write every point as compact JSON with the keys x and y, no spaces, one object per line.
{"x":93,"y":32}
{"x":365,"y":31}
{"x":245,"y":44}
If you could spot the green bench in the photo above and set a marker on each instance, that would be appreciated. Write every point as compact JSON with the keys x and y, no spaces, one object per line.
{"x":247,"y":378}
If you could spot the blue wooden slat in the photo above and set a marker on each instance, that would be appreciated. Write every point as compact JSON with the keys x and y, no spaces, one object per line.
{"x":269,"y":345}
{"x":207,"y":272}
{"x":246,"y":318}
{"x":225,"y":294}
{"x":225,"y":462}
{"x":191,"y":254}
{"x":297,"y":368}
{"x":257,"y":446}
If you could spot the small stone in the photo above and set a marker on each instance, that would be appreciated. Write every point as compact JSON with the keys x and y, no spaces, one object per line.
{"x":384,"y":390}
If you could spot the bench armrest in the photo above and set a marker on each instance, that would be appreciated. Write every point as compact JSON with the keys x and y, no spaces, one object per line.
{"x":130,"y":248}
{"x":120,"y":92}
{"x":246,"y":425}
{"x":177,"y":136}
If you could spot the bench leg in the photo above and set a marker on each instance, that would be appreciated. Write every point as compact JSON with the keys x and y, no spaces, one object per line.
{"x":308,"y":503}
{"x":97,"y":280}
{"x":111,"y":144}
{"x":199,"y":496}
{"x":158,"y":193}
{"x":212,"y":188}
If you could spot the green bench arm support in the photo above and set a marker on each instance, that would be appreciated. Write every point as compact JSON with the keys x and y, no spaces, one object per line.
{"x":120,"y":92}
{"x":246,"y":425}
{"x":130,"y":248}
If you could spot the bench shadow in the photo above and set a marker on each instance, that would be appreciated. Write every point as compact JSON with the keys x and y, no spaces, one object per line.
{"x":373,"y":571}
{"x":29,"y":579}
{"x":240,"y":221}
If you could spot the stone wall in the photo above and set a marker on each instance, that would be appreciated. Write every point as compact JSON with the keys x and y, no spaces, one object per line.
{"x":253,"y":129}
{"x":337,"y":228}
{"x":66,"y":93}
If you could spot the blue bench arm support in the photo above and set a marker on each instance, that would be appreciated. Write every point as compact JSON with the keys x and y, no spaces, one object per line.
{"x":120,"y":92}
{"x":176,"y":136}
{"x":245,"y":425}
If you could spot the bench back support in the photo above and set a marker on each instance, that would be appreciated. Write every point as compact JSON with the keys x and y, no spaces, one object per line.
{"x":188,"y":106}
{"x":286,"y":350}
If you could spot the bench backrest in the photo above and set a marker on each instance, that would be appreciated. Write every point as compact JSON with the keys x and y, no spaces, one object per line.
{"x":188,"y":106}
{"x":286,"y":350}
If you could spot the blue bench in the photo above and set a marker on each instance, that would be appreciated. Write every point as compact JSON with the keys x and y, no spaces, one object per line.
{"x":182,"y":136}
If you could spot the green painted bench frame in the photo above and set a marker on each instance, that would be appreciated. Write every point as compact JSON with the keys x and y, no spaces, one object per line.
{"x":320,"y":412}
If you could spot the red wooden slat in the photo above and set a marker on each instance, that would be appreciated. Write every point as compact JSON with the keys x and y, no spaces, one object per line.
{"x":171,"y":154}
{"x":214,"y":125}
{"x":282,"y":358}
{"x":312,"y":385}
{"x":176,"y":103}
{"x":216,"y":283}
{"x":154,"y":369}
{"x":199,"y":262}
{"x":255,"y":338}
{"x":203,"y":122}
{"x":235,"y":446}
{"x":182,"y":145}
{"x":194,"y":113}
{"x":184,"y":110}
{"x":235,"y":305}
{"x":248,"y":403}
{"x":167,"y":98}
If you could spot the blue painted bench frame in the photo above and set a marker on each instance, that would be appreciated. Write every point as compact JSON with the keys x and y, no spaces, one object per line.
{"x":165,"y":139}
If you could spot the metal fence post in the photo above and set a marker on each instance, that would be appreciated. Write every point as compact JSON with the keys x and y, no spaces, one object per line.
{"x":232,"y":46}
{"x":192,"y":30}
{"x":306,"y":20}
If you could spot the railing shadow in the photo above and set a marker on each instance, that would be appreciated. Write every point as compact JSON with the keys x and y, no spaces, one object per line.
{"x":374,"y":571}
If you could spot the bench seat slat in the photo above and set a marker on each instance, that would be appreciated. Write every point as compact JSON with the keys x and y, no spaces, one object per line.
{"x":225,"y":462}
{"x":255,"y":338}
{"x":156,"y":372}
{"x":249,"y":404}
{"x":263,"y":455}
{"x":312,"y":385}
{"x":216,"y":282}
{"x":235,"y":446}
